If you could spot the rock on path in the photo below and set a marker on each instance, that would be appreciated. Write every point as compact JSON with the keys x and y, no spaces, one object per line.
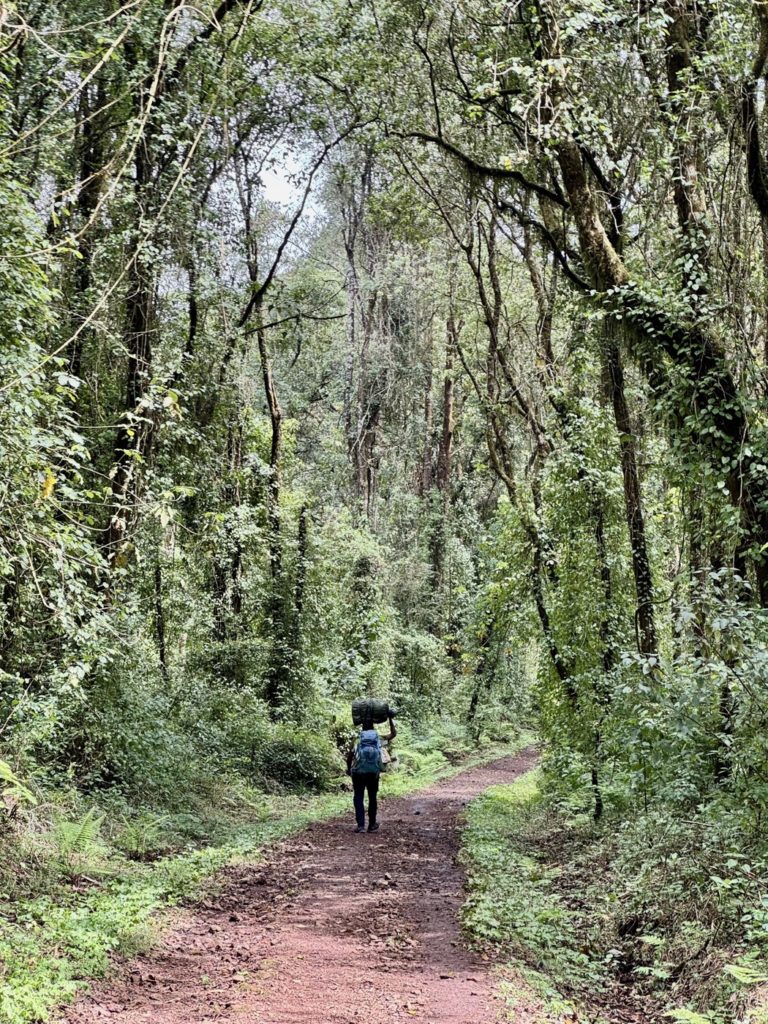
{"x":334,"y":928}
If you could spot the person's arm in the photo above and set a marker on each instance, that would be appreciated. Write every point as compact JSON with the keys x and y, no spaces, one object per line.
{"x":392,"y":730}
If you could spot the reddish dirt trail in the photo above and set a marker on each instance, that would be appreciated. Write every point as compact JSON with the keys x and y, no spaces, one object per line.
{"x":334,"y":928}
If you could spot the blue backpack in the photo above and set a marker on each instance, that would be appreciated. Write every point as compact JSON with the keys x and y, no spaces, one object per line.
{"x":367,"y":753}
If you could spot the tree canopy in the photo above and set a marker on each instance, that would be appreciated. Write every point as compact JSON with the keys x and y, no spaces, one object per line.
{"x":410,"y":349}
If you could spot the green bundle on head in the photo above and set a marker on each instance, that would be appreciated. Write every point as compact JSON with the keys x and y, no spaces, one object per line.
{"x":370,"y":709}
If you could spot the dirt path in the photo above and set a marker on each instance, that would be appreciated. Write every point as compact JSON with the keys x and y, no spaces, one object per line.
{"x":335,"y":928}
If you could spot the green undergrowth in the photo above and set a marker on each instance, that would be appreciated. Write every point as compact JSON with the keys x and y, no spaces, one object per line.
{"x":513,"y":907}
{"x":95,"y":881}
{"x":591,"y":919}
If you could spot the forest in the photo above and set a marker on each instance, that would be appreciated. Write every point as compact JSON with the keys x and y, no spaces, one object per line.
{"x":408,"y":348}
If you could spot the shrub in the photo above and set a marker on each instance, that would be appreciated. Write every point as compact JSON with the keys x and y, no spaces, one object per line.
{"x":421,"y":674}
{"x":298,"y":759}
{"x":145,"y":837}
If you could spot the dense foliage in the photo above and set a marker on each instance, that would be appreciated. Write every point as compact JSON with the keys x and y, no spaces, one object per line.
{"x":416,"y":350}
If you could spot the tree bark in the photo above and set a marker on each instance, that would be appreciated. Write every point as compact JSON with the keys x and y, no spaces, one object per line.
{"x":480,"y":678}
{"x":647,"y":639}
{"x":442,"y":481}
{"x":445,"y":448}
{"x":275,"y":448}
{"x":426,"y":475}
{"x":302,"y":563}
{"x":134,"y":433}
{"x":160,"y":621}
{"x":91,"y":152}
{"x":726,"y":437}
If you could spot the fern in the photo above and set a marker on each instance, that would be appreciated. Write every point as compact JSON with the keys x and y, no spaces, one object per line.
{"x":688,"y":1017}
{"x":79,"y":840}
{"x":12,"y":786}
{"x":144,"y":837}
{"x":746,"y":975}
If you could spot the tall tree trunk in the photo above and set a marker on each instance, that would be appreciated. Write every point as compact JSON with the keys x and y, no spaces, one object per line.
{"x":91,"y":154}
{"x":134,"y":433}
{"x":275,"y":448}
{"x":302,"y":562}
{"x":350,"y":432}
{"x":439,"y":527}
{"x":233,"y":499}
{"x":723,"y":431}
{"x":445,"y":448}
{"x":426,"y":475}
{"x":160,"y":620}
{"x":367,"y":460}
{"x":480,"y":678}
{"x":228,"y":564}
{"x":278,"y":677}
{"x":220,"y":616}
{"x":647,"y":639}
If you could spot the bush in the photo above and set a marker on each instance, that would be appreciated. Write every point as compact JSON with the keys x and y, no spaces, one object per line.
{"x":421,"y":674}
{"x":298,"y":759}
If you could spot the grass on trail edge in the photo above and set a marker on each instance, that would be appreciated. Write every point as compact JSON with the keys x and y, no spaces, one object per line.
{"x":512,"y":910}
{"x":53,"y":945}
{"x":517,"y":912}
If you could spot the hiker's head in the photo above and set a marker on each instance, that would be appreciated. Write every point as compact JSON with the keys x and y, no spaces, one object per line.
{"x":368,"y":724}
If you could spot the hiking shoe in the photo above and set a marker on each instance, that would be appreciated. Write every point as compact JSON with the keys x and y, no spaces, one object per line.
{"x":361,"y":828}
{"x":373,"y":828}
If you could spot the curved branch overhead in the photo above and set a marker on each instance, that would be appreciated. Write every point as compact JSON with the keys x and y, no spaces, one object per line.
{"x":412,"y":352}
{"x":485,"y":171}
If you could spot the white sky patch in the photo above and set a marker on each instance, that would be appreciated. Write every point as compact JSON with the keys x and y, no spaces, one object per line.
{"x":279,"y":186}
{"x":284,"y":182}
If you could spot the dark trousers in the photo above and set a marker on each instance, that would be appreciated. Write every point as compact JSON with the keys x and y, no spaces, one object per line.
{"x":362,"y":781}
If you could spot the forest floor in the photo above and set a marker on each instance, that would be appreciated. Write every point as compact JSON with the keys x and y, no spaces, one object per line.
{"x":332,"y":927}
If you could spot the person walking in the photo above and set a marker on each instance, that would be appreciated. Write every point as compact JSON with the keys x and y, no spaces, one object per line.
{"x":364,"y":764}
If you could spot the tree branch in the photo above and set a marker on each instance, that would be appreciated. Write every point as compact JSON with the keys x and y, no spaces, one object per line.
{"x":259,"y":292}
{"x":484,"y":171}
